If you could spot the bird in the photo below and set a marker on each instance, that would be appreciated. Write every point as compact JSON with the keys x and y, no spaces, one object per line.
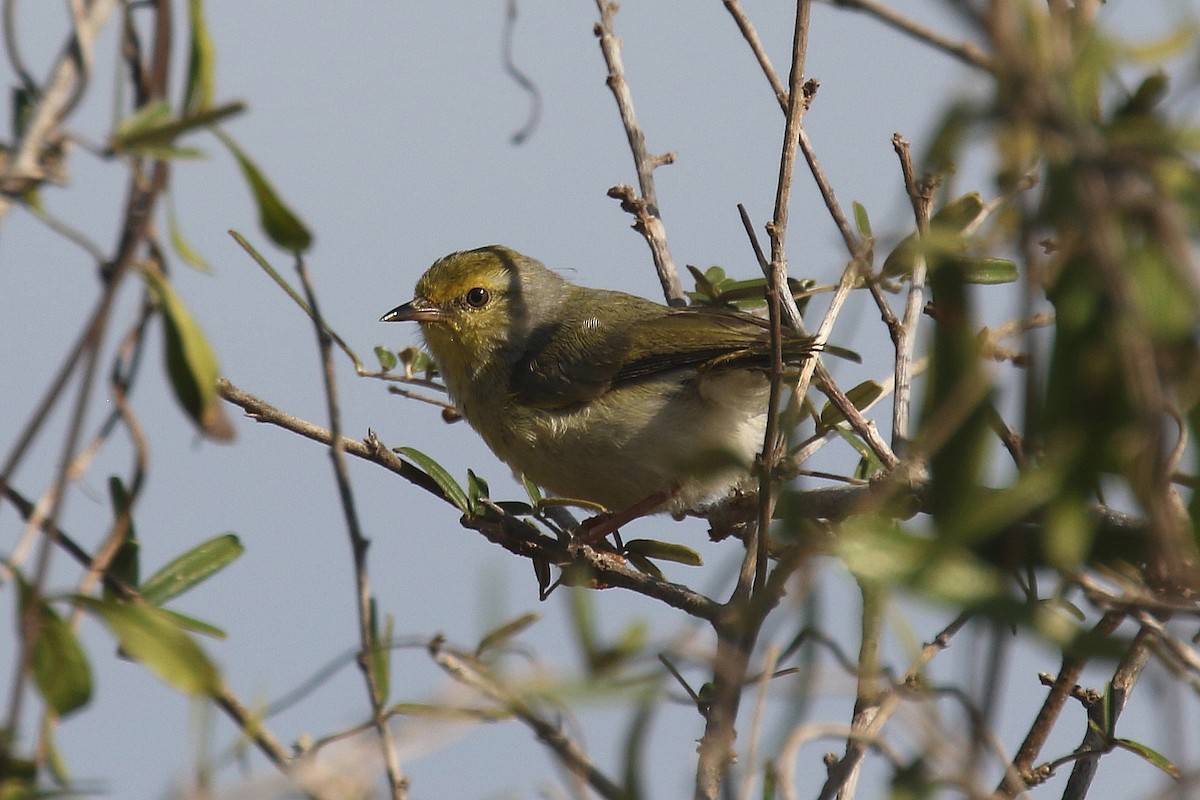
{"x":597,"y":395}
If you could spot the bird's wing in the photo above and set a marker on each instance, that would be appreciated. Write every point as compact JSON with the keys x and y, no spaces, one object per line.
{"x":580,"y":358}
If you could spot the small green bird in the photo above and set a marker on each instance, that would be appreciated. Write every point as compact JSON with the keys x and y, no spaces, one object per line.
{"x":593,"y":394}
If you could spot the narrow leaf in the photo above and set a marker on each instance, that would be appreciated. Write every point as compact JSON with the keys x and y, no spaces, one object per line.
{"x":194,"y":625}
{"x":191,"y":362}
{"x":57,"y":661}
{"x":664,"y":551}
{"x":988,"y":271}
{"x":861,"y":220}
{"x":477,"y":489}
{"x":861,"y":396}
{"x":202,"y":57}
{"x":278,"y":221}
{"x":644,"y":565}
{"x":191,"y":568}
{"x":125,"y":565}
{"x":182,"y":246}
{"x":150,"y":636}
{"x":1153,"y":756}
{"x":502,"y":633}
{"x":454,"y":493}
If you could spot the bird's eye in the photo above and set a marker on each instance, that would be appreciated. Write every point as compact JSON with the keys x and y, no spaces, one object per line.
{"x":478,"y":297}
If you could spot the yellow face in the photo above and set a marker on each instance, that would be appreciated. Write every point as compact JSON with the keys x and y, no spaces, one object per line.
{"x":465,"y":304}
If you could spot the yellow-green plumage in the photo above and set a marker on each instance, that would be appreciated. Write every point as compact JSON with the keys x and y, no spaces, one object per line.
{"x":594,"y":394}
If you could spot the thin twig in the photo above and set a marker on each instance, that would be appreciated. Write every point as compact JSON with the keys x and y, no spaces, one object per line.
{"x":397,"y":783}
{"x":921,"y":196}
{"x":643,"y":204}
{"x":1017,"y":777}
{"x":888,"y":704}
{"x":514,"y":534}
{"x":963,"y":51}
{"x":1095,"y":738}
{"x":59,"y":95}
{"x":466,"y":670}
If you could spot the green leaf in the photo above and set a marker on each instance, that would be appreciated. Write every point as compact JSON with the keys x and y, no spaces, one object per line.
{"x":150,"y":636}
{"x":988,"y":271}
{"x":125,"y":565}
{"x":278,"y":221}
{"x":477,"y":489}
{"x":502,"y":633}
{"x":664,"y":551}
{"x":861,"y":396}
{"x":535,"y":494}
{"x":861,"y":220}
{"x":191,"y":362}
{"x":387,"y":359}
{"x":152,"y":131}
{"x":645,"y":565}
{"x":194,"y":625}
{"x":202,"y":57}
{"x":454,"y":493}
{"x":1153,"y":756}
{"x":381,"y":651}
{"x":191,"y":568}
{"x":182,"y":246}
{"x":57,"y":661}
{"x":946,"y":231}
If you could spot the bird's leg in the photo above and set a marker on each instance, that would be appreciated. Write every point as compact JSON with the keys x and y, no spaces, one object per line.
{"x":593,"y":529}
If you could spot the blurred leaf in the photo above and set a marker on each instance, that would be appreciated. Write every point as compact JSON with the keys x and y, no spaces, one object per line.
{"x":954,"y":414}
{"x":387,"y":359}
{"x":57,"y":661}
{"x":23,"y":102}
{"x":861,"y":220}
{"x":191,"y":568}
{"x":663,"y":551}
{"x":949,"y":137}
{"x":178,"y":241}
{"x":988,"y":271}
{"x":191,"y":362}
{"x":861,"y":396}
{"x":946,"y":231}
{"x":125,"y":565}
{"x":56,"y":766}
{"x":278,"y":221}
{"x":1150,"y":755}
{"x":202,"y":57}
{"x":636,"y":747}
{"x":153,"y":129}
{"x":876,"y":550}
{"x":150,"y":636}
{"x":381,"y":651}
{"x":194,"y":625}
{"x":454,"y":493}
{"x":502,"y":633}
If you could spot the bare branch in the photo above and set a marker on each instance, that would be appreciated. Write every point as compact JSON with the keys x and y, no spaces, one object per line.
{"x":643,"y":206}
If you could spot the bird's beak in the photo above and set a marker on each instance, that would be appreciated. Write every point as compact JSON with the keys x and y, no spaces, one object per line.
{"x":418,"y":310}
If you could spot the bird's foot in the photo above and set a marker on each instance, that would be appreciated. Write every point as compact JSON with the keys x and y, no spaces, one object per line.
{"x":594,"y":529}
